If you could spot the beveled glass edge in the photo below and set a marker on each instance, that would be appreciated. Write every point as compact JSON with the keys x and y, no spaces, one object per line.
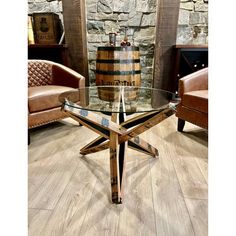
{"x":171,"y":103}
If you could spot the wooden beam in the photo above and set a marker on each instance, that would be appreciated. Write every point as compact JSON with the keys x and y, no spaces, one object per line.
{"x":76,"y":36}
{"x":166,"y":25}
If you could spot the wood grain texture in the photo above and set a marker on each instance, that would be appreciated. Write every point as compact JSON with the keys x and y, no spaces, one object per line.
{"x":101,"y":216}
{"x":137,"y":216}
{"x":37,"y":219}
{"x":75,"y":34}
{"x":89,"y":118}
{"x":199,"y":215}
{"x":140,"y":145}
{"x":96,"y":145}
{"x":68,"y":216}
{"x":52,"y":184}
{"x":116,"y":67}
{"x":114,"y":168}
{"x":166,"y":25}
{"x":154,"y":201}
{"x":189,"y":155}
{"x":47,"y":181}
{"x":192,"y":181}
{"x":168,"y":200}
{"x":119,"y":55}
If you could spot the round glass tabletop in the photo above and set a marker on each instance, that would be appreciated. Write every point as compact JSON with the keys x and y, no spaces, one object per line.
{"x":117,"y":99}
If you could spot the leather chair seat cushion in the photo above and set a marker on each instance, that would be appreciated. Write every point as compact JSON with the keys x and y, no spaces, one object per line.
{"x":42,"y":98}
{"x":196,"y":100}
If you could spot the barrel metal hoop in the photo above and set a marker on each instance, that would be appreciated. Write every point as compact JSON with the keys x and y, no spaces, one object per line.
{"x":129,"y":48}
{"x":118,"y":61}
{"x":131,"y":72}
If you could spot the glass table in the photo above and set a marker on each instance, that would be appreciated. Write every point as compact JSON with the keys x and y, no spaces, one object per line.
{"x":107,"y":111}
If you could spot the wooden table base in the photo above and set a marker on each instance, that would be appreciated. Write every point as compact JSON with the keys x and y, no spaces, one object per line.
{"x":117,"y":134}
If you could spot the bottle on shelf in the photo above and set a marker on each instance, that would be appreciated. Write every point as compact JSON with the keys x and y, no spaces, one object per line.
{"x":112,"y":39}
{"x":125,"y":41}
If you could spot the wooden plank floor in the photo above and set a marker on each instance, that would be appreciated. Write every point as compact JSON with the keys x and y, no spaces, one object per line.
{"x":69,"y":194}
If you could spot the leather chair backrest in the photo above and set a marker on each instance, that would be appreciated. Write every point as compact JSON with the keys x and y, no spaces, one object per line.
{"x":39,"y":73}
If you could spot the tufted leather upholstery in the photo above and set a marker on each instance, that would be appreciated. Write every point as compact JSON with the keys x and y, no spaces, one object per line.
{"x":193,"y":107}
{"x":46,"y":81}
{"x":39,"y":73}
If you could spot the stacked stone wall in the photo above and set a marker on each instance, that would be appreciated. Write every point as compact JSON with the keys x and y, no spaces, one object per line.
{"x":105,"y":16}
{"x":193,"y":17}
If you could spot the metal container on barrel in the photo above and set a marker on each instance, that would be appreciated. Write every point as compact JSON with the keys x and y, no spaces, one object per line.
{"x":117,"y":66}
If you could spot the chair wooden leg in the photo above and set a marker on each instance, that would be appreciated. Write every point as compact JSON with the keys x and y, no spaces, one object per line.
{"x":181,"y":124}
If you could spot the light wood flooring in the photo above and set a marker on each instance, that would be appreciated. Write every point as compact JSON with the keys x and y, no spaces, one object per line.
{"x":69,"y":194}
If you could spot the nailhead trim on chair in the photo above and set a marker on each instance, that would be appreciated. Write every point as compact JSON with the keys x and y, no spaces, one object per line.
{"x":48,"y":122}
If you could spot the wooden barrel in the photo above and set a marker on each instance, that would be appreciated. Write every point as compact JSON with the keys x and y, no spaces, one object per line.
{"x":117,"y":66}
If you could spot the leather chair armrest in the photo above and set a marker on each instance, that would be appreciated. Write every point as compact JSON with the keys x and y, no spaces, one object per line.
{"x":64,"y":76}
{"x":195,"y":81}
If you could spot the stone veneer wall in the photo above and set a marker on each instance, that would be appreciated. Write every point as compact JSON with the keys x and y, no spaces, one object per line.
{"x":104,"y":16}
{"x":193,"y":15}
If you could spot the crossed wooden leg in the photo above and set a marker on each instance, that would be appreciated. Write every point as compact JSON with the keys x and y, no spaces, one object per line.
{"x":116,"y":134}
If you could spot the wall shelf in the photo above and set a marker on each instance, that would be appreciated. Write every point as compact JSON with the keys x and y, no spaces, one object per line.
{"x":52,"y":52}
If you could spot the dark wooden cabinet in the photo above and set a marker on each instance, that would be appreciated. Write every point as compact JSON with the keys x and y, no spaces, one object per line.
{"x":52,"y":52}
{"x":188,"y":59}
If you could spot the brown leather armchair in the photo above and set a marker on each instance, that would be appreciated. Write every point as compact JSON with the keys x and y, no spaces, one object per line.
{"x":46,"y":81}
{"x":193,"y":92}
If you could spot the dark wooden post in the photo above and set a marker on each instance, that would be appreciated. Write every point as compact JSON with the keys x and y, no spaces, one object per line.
{"x":75,"y":35}
{"x":166,"y":31}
